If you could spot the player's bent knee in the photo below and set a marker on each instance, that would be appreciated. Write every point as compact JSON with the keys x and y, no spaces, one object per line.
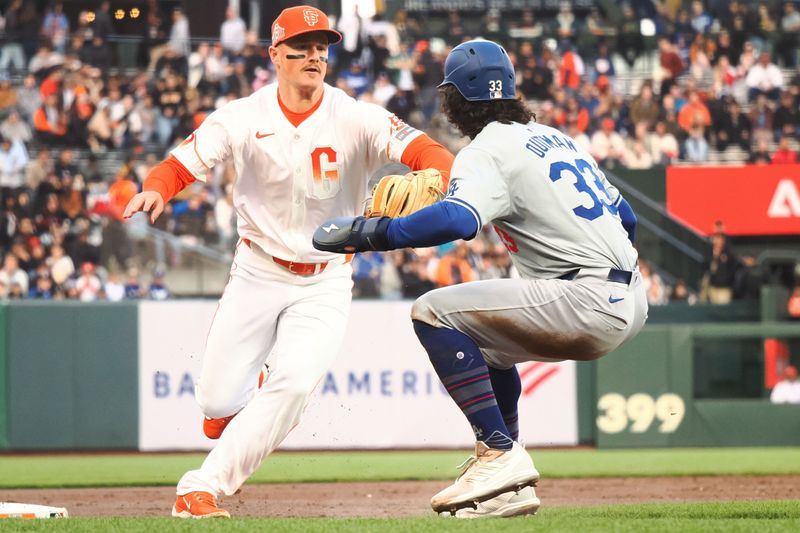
{"x":216,"y":404}
{"x":422,"y":310}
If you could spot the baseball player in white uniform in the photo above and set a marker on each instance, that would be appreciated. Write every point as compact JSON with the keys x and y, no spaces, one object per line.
{"x":303,"y":152}
{"x":569,"y":233}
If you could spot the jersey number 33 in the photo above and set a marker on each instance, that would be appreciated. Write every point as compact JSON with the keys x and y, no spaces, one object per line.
{"x":585,"y":179}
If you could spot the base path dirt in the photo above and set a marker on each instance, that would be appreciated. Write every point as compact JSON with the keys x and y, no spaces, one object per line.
{"x":407,"y":498}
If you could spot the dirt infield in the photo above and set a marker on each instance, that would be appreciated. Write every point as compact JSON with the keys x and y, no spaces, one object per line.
{"x":408,"y":498}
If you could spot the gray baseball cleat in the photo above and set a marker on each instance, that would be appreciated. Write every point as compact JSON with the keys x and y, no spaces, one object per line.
{"x":506,"y":505}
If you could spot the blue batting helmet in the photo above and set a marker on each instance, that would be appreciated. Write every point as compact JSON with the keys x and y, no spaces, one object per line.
{"x":481,"y":71}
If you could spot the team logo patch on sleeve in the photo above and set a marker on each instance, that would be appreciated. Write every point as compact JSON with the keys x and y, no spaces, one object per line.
{"x":399,"y":129}
{"x":453,"y":188}
{"x":278,"y":32}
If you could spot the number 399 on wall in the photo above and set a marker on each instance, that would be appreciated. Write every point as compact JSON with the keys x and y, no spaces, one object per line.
{"x":640,"y":409}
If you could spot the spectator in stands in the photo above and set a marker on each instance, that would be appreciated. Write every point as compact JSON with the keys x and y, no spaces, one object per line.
{"x":537,"y":80}
{"x":592,"y":33}
{"x":608,"y":148}
{"x":573,"y":113}
{"x":681,"y":293}
{"x":29,"y":28}
{"x":644,"y":107}
{"x":629,"y":39}
{"x":55,"y":27}
{"x":671,"y":63}
{"x":157,"y":290}
{"x":604,"y":65}
{"x":98,"y":54}
{"x":766,"y":27}
{"x":694,"y":113}
{"x":663,"y":145}
{"x":786,"y":119}
{"x":114,"y":288}
{"x":764,"y":78}
{"x":788,"y":389}
{"x":8,"y":94}
{"x":12,"y":53}
{"x":696,"y":146}
{"x":13,"y":160}
{"x":725,"y":48}
{"x":133,"y":289}
{"x":637,"y":156}
{"x":747,"y":58}
{"x":414,"y":275}
{"x":654,"y":286}
{"x":232,"y":32}
{"x":12,"y":275}
{"x":367,"y":269}
{"x":179,"y":40}
{"x":102,"y":26}
{"x":788,"y":41}
{"x":43,"y":288}
{"x":784,"y":155}
{"x":570,"y":70}
{"x":565,"y":22}
{"x":88,"y":285}
{"x":28,"y":98}
{"x":50,"y":122}
{"x":453,"y":267}
{"x":701,"y":21}
{"x":702,"y":54}
{"x":44,"y":60}
{"x":733,"y":127}
{"x":15,"y":129}
{"x":355,"y":79}
{"x":720,"y":273}
{"x":760,"y":155}
{"x":527,"y":28}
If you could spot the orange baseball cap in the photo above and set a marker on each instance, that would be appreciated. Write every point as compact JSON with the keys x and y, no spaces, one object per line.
{"x":297,"y":20}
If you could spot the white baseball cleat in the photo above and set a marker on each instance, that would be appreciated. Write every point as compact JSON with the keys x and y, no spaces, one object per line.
{"x":488,"y":473}
{"x":506,"y":505}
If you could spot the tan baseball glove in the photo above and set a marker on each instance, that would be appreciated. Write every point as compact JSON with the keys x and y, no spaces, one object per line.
{"x":397,"y":196}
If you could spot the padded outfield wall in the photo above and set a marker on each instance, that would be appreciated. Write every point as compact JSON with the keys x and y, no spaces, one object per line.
{"x":79,"y":376}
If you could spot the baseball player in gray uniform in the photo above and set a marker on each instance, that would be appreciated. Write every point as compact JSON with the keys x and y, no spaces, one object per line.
{"x":570,"y":235}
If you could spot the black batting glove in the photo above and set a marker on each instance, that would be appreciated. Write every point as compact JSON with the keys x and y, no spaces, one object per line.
{"x":347,"y":235}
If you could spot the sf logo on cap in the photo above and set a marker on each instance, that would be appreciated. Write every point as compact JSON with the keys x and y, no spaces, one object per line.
{"x":310,"y":16}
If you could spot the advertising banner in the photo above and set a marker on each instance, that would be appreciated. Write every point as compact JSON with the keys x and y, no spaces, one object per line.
{"x":377,"y":395}
{"x":748,"y":200}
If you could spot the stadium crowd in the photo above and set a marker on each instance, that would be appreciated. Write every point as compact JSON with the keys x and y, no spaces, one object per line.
{"x":720,"y":74}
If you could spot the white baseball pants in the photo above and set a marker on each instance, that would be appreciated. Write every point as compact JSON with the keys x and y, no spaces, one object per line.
{"x":294,"y":323}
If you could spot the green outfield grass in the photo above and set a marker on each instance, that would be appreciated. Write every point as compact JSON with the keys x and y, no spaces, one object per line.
{"x":763,"y":517}
{"x":290,"y":467}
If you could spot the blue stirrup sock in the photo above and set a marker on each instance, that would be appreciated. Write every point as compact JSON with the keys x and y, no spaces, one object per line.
{"x":507,"y":390}
{"x":460,"y":366}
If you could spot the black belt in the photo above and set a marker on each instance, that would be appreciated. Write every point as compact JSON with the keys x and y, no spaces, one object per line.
{"x":615,"y":275}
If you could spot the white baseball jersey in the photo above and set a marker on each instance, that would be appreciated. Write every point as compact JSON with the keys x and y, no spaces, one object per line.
{"x":292,"y":179}
{"x":552,"y":206}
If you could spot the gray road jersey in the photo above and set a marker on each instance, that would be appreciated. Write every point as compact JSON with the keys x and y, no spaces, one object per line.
{"x":552,"y":206}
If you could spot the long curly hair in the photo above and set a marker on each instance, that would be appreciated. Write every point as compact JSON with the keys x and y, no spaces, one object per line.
{"x":471,"y":117}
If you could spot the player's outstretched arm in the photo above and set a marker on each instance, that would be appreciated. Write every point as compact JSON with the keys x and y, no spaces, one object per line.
{"x":166,"y":180}
{"x":436,"y":224}
{"x":150,"y":202}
